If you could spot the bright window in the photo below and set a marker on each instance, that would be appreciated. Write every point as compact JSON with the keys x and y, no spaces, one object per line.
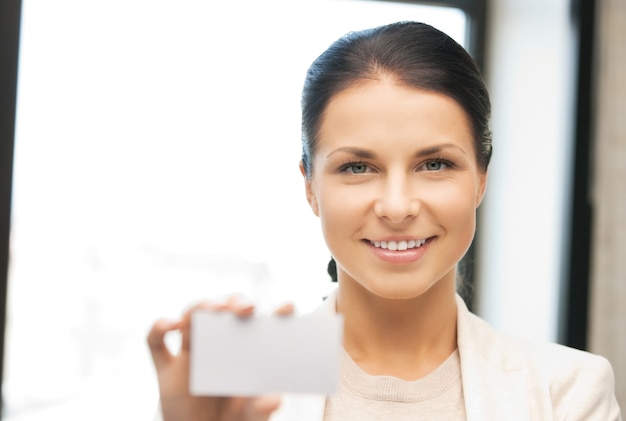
{"x":156,"y":164}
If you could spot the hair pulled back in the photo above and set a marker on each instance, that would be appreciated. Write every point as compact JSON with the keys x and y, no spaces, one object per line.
{"x":416,"y":55}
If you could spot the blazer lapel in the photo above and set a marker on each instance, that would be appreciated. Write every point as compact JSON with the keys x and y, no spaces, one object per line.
{"x":494,"y":378}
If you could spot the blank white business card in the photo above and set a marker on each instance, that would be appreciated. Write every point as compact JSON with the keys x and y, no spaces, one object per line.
{"x":232,"y":356}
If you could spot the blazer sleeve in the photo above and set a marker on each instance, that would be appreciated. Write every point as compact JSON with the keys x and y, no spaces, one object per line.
{"x":586,"y":392}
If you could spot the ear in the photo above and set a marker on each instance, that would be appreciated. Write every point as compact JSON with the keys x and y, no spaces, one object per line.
{"x":310,"y":194}
{"x":482,"y":188}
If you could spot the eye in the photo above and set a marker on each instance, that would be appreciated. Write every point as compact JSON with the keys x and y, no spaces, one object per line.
{"x":436,"y":165}
{"x":354,"y":168}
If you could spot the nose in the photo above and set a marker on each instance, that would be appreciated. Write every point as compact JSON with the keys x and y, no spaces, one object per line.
{"x":398,"y":201}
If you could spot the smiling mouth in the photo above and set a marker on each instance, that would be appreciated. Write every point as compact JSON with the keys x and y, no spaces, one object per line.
{"x":398,"y":245}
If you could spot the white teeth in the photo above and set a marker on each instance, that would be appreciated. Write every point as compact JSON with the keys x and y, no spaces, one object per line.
{"x":398,"y":245}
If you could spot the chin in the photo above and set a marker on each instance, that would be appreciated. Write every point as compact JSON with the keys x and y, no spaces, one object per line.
{"x":408,"y":292}
{"x":399,"y":286}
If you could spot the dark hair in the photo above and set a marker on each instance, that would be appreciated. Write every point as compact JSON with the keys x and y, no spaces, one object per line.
{"x":415,"y":54}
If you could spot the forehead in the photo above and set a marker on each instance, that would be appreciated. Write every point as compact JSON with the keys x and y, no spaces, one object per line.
{"x":386,"y":113}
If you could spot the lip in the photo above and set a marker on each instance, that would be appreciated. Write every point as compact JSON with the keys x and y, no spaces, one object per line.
{"x":400,"y":256}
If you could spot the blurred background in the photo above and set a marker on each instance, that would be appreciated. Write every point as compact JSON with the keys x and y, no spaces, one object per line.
{"x":150,"y":159}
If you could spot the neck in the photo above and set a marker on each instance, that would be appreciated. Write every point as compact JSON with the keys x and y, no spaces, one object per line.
{"x":405,"y":338}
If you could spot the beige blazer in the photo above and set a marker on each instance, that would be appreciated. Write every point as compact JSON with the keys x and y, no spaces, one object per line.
{"x":506,"y":378}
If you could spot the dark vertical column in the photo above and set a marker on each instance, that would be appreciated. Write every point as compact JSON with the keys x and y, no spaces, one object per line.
{"x":10,"y":14}
{"x":477,"y":31}
{"x":574,"y":323}
{"x":477,"y":35}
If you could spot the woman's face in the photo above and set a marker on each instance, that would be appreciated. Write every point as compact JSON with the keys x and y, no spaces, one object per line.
{"x":396,"y":186}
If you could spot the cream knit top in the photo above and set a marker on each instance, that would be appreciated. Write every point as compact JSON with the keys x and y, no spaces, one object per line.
{"x":362,"y":397}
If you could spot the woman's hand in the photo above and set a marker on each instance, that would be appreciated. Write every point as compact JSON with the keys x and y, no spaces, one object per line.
{"x":177,"y":404}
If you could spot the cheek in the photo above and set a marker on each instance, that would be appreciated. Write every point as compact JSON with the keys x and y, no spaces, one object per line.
{"x":454,"y":206}
{"x":339,"y":204}
{"x":341,"y":211}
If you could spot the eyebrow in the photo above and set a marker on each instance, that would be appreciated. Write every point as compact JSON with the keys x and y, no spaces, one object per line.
{"x":365,"y":154}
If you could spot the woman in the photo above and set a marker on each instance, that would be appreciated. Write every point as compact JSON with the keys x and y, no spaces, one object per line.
{"x":396,"y":146}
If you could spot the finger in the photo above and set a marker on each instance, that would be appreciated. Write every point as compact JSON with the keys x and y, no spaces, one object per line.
{"x":260,"y":409}
{"x":156,"y":341}
{"x":265,"y":405}
{"x":240,"y":305}
{"x":244,"y":309}
{"x":285,"y":310}
{"x":235,"y":303}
